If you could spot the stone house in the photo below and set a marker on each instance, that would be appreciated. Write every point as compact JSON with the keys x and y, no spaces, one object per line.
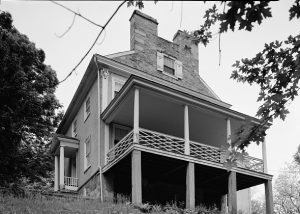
{"x":144,"y":124}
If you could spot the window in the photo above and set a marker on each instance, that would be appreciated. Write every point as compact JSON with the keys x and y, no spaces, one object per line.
{"x":87,"y":108}
{"x":87,"y":153}
{"x":74,"y":128}
{"x":169,"y":66}
{"x":117,"y":84}
{"x":120,"y":132}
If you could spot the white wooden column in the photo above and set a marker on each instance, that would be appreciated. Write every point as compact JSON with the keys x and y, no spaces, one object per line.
{"x":264,"y":155}
{"x":136,"y":115}
{"x":269,"y":197}
{"x":190,"y":186}
{"x":56,"y":173}
{"x":61,"y":167}
{"x":228,"y":131}
{"x":136,"y":177}
{"x":232,"y":199}
{"x":186,"y":131}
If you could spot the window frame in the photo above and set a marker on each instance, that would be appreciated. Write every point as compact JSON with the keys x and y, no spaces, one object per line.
{"x":177,"y":66}
{"x":74,"y":134}
{"x":87,"y":114}
{"x":116,"y":79}
{"x":85,"y":160}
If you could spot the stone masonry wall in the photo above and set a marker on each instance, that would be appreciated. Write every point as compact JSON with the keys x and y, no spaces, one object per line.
{"x":91,"y":188}
{"x":145,"y":42}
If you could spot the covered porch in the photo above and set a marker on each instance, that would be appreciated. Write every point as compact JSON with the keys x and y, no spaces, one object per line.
{"x":65,"y":151}
{"x":165,"y":126}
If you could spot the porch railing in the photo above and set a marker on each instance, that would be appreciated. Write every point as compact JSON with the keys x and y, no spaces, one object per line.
{"x":161,"y":141}
{"x":71,"y":181}
{"x":175,"y":145}
{"x":121,"y":147}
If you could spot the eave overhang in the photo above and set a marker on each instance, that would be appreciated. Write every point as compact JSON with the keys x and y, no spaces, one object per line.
{"x":85,"y":84}
{"x":62,"y":140}
{"x":105,"y":62}
{"x":137,"y":81}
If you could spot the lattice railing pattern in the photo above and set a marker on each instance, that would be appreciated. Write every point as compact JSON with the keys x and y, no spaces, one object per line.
{"x":205,"y":152}
{"x":161,"y":141}
{"x":251,"y":163}
{"x":121,"y":147}
{"x":173,"y":144}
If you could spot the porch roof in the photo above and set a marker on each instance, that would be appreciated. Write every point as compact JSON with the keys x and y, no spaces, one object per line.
{"x":136,"y":81}
{"x":59,"y":139}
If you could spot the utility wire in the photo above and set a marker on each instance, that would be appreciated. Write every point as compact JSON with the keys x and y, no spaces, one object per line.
{"x":76,"y":13}
{"x":69,"y":28}
{"x":89,"y":50}
{"x":181,"y":15}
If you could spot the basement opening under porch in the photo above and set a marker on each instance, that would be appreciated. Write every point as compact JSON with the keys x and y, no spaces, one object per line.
{"x":163,"y":181}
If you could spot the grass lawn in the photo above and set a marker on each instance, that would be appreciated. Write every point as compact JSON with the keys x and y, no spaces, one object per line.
{"x":51,"y":204}
{"x":37,"y":204}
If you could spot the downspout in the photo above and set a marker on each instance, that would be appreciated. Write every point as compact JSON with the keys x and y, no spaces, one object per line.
{"x":99,"y":134}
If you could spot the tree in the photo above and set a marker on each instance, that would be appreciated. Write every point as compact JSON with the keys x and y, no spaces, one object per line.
{"x":286,"y":190}
{"x":276,"y":69}
{"x":28,"y":107}
{"x":257,"y":207}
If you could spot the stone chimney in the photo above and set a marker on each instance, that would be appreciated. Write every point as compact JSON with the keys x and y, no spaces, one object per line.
{"x":143,"y":29}
{"x":187,"y":44}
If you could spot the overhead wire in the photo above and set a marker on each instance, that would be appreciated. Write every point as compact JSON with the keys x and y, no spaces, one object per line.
{"x":76,"y":13}
{"x":95,"y":41}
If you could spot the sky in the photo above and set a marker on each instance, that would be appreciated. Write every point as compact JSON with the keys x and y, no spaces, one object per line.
{"x":43,"y":22}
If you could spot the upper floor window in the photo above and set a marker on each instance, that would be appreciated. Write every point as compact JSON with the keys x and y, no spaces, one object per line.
{"x":87,"y":108}
{"x":117,"y":84}
{"x":74,"y":128}
{"x":169,"y":65}
{"x":87,"y":153}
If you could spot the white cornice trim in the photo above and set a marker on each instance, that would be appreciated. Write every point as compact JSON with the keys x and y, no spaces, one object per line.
{"x":119,"y":66}
{"x":125,"y":53}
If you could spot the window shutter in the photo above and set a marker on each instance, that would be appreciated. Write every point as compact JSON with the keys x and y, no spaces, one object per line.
{"x":178,"y":69}
{"x":160,"y":61}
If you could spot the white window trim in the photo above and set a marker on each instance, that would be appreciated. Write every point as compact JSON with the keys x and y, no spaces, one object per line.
{"x":84,"y":113}
{"x":73,"y":133}
{"x":175,"y":76}
{"x":116,"y":79}
{"x":86,"y":167}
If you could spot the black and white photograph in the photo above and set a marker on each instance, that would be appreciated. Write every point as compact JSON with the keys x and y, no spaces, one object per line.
{"x":163,"y":107}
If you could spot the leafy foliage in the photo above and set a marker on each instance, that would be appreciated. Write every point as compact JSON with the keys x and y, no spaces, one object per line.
{"x":276,"y":69}
{"x":28,"y":107}
{"x":286,"y":190}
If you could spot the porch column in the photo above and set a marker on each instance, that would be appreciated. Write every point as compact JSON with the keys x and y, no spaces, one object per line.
{"x":136,"y":115}
{"x":228,"y":131}
{"x":264,"y":155}
{"x":61,"y":168}
{"x":190,"y":186}
{"x":136,"y":177}
{"x":269,"y":197}
{"x":56,"y":172}
{"x":232,"y":201}
{"x":186,"y":131}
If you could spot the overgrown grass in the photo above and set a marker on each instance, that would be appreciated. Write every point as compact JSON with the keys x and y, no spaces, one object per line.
{"x":50,"y":204}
